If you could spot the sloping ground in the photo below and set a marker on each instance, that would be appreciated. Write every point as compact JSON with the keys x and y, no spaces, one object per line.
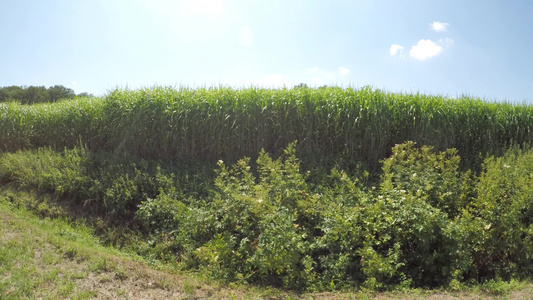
{"x":43,"y":259}
{"x":40,"y":259}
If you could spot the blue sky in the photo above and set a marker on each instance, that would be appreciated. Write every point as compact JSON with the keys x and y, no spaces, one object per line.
{"x":481,"y":48}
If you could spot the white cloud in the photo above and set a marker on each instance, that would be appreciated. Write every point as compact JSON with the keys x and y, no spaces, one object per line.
{"x":245,"y":36}
{"x":439,"y":27}
{"x":396,"y":49}
{"x":424,"y":50}
{"x":343,"y":71}
{"x":313,"y":69}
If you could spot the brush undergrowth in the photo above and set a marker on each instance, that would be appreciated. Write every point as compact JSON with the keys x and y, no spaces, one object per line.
{"x":425,"y":224}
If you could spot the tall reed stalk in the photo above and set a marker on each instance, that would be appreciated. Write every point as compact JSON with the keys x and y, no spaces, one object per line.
{"x":331,"y":124}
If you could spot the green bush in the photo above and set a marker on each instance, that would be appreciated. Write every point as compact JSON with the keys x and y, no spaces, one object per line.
{"x":500,"y":219}
{"x":161,"y":215}
{"x":426,"y":252}
{"x":63,"y":173}
{"x":335,"y":250}
{"x":427,"y":224}
{"x":103,"y":183}
{"x":257,"y":225}
{"x":435,"y":177}
{"x":405,"y":233}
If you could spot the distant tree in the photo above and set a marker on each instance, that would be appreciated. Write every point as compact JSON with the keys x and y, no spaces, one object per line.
{"x":85,"y":95}
{"x":34,"y":94}
{"x":4,"y":96}
{"x":37,"y":94}
{"x":301,"y":86}
{"x":15,"y":92}
{"x":58,"y":92}
{"x":12,"y":93}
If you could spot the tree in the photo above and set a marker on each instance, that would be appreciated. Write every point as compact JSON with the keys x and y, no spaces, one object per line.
{"x":85,"y":95}
{"x":58,"y":92}
{"x":301,"y":86}
{"x":34,"y":94}
{"x":37,"y":94}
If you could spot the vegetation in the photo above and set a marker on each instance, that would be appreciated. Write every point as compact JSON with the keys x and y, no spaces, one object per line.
{"x":332,"y":125}
{"x":37,"y":94}
{"x":54,"y":258}
{"x":450,"y":205}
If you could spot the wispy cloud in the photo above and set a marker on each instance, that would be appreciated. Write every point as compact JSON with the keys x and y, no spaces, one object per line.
{"x":343,"y":71}
{"x":396,"y":49}
{"x":424,"y":49}
{"x":447,"y":42}
{"x":313,"y":69}
{"x":439,"y":27}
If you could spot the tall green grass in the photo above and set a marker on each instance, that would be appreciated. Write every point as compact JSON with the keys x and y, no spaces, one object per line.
{"x":61,"y":124}
{"x":332,"y":124}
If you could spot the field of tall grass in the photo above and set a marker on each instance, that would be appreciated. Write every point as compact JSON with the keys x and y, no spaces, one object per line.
{"x":333,"y":125}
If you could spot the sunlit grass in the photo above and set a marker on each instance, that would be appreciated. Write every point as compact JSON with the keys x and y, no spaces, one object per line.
{"x":331,"y":124}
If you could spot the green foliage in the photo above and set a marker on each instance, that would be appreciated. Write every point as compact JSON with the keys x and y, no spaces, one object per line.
{"x":500,"y":218}
{"x":427,"y":252}
{"x":428,"y":224}
{"x":61,"y":173}
{"x":434,"y":177}
{"x":379,"y":269}
{"x":161,"y":214}
{"x":104,"y":184}
{"x":333,"y":125}
{"x":281,"y":253}
{"x":37,"y":94}
{"x":257,"y":229}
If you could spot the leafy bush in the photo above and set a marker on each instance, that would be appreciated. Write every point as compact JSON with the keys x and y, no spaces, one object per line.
{"x":103,"y":183}
{"x":161,"y":215}
{"x":434,"y":177}
{"x":402,"y":234}
{"x":63,"y":173}
{"x":428,"y":224}
{"x":257,"y":231}
{"x":500,"y":220}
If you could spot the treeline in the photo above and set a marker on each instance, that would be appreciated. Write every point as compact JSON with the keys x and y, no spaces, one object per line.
{"x":38,"y":94}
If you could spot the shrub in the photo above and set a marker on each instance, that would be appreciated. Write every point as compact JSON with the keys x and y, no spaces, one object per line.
{"x":435,"y":177}
{"x":500,"y":219}
{"x":257,"y":223}
{"x":63,"y":173}
{"x":162,"y":214}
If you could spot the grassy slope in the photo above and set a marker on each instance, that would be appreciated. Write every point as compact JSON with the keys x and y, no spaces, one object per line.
{"x":52,"y":259}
